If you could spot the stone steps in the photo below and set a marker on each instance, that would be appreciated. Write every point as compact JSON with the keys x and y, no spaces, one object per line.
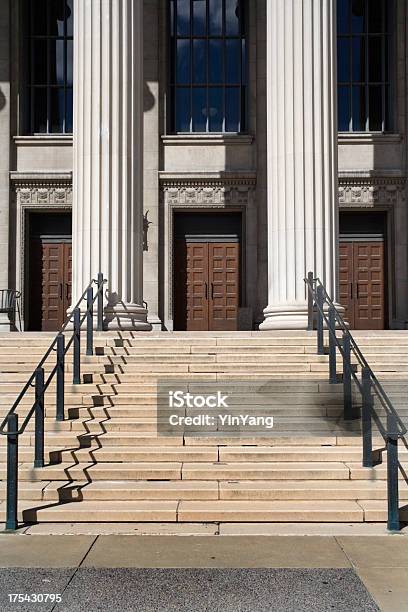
{"x":225,"y":490}
{"x":215,"y":471}
{"x":260,"y":490}
{"x":229,"y":454}
{"x":110,"y":464}
{"x":195,"y":511}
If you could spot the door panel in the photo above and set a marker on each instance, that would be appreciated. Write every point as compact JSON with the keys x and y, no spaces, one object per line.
{"x":369,"y":285}
{"x":191,"y":286}
{"x":346,"y":280}
{"x":224,"y":283}
{"x":50,"y":284}
{"x":206,"y":286}
{"x":362,"y":283}
{"x":67,"y":289}
{"x":52,"y":292}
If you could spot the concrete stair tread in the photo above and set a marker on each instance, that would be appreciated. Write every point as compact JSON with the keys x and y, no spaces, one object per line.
{"x":282,"y":454}
{"x":192,"y":511}
{"x":357,"y":472}
{"x":132,"y":490}
{"x":26,"y":490}
{"x":270,"y":511}
{"x":264,"y":471}
{"x":102,"y":466}
{"x":101,"y":471}
{"x":109,"y":439}
{"x":147,"y":454}
{"x":272,"y":440}
{"x":95,"y":512}
{"x":306,"y":490}
{"x":376,"y":511}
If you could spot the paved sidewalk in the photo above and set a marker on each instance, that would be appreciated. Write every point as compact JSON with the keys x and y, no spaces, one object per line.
{"x":120,"y":572}
{"x":192,"y":590}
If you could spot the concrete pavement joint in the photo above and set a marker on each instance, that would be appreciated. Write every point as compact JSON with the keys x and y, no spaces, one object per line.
{"x":75,"y":571}
{"x":339,"y":544}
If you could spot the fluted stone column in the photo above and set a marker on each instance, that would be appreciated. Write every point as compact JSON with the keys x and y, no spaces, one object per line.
{"x":108,"y":155}
{"x":302,"y":156}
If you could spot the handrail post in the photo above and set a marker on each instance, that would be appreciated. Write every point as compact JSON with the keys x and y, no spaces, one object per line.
{"x":393,"y":523}
{"x":310,"y":301}
{"x":347,"y":391}
{"x":89,"y":321}
{"x":320,"y":306}
{"x":332,"y":346}
{"x":39,"y":418}
{"x":100,"y":302}
{"x":77,"y":347}
{"x":12,"y":472}
{"x":366,"y":418}
{"x":60,"y":378}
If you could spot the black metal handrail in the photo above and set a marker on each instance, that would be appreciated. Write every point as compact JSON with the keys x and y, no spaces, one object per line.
{"x":322,"y":308}
{"x":9,"y":427}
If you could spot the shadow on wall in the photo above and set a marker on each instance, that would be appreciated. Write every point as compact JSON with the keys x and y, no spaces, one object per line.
{"x":2,"y":100}
{"x":148,"y":98}
{"x":148,"y":104}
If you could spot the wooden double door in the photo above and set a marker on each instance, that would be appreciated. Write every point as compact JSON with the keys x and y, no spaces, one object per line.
{"x":206,"y":286}
{"x":50,"y":283}
{"x":362,"y":283}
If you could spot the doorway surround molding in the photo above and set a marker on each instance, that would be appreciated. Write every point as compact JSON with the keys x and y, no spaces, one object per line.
{"x":208,"y":192}
{"x":368,"y":190}
{"x":383,"y":191}
{"x":33,"y":192}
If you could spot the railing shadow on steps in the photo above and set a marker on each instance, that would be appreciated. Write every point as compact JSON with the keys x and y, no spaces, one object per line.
{"x":10,"y":426}
{"x":323,"y":313}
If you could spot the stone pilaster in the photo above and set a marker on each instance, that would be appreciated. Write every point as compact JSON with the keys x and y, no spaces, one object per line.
{"x":108,"y":155}
{"x":4,"y":151}
{"x":302,"y":155}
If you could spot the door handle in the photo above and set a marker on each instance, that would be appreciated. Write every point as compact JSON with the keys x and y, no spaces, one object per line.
{"x":212,"y":291}
{"x":206,"y":291}
{"x":351,"y":291}
{"x":61,"y":290}
{"x":358,"y":291}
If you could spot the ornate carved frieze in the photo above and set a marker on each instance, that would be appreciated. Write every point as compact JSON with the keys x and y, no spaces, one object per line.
{"x":208,"y":192}
{"x":42,"y":191}
{"x":371,"y":192}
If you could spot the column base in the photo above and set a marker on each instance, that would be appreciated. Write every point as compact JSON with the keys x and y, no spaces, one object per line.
{"x":285,"y":316}
{"x":126,"y":317}
{"x":155,"y":322}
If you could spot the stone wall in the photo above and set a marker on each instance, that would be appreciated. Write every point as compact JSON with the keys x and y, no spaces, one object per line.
{"x":196,"y":171}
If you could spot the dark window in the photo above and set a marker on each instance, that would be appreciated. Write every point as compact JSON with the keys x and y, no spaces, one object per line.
{"x":208,"y":75}
{"x":363,"y":45}
{"x":48,"y":70}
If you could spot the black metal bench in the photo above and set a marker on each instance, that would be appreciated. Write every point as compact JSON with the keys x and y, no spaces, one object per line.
{"x":9,"y":304}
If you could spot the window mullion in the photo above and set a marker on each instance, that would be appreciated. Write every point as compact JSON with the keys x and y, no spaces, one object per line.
{"x":367,"y":68}
{"x":174,"y":48}
{"x":65,"y":71}
{"x":351,"y":80}
{"x":224,"y":88}
{"x":383,"y":57}
{"x":207,"y":68}
{"x":191,"y":67}
{"x":48,"y":88}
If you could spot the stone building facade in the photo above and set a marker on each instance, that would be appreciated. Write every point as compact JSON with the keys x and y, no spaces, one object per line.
{"x":310,"y":176}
